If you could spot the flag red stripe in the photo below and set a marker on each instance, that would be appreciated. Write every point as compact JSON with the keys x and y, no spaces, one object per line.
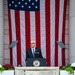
{"x":47,"y":19}
{"x":27,"y":29}
{"x":37,"y":25}
{"x":56,"y":30}
{"x":63,"y":31}
{"x":10,"y":35}
{"x":18,"y":38}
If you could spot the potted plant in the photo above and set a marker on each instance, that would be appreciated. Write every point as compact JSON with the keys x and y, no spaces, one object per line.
{"x":68,"y":68}
{"x":1,"y":68}
{"x":6,"y":67}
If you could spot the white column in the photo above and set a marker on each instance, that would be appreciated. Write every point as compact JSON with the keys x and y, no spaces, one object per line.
{"x":72,"y":30}
{"x":1,"y":31}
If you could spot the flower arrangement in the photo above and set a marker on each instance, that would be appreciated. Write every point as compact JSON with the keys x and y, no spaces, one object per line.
{"x":68,"y":68}
{"x":6,"y":67}
{"x":1,"y":68}
{"x":73,"y":66}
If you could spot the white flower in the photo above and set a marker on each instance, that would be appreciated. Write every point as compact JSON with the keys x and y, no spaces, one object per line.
{"x":73,"y":64}
{"x":0,"y":66}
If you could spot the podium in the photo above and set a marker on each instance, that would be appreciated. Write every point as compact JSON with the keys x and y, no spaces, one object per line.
{"x":36,"y":62}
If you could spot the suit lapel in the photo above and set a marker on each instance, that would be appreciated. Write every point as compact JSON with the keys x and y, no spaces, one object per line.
{"x":31,"y":52}
{"x":35,"y":49}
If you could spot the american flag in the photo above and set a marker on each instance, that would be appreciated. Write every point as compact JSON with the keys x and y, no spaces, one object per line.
{"x":40,"y":20}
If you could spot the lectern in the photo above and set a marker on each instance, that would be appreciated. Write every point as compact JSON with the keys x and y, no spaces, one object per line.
{"x":36,"y":62}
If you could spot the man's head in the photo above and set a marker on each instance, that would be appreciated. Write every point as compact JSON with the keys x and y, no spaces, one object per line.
{"x":33,"y":44}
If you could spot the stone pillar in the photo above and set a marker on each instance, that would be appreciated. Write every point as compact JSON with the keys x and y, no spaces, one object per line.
{"x":1,"y":31}
{"x":72,"y":31}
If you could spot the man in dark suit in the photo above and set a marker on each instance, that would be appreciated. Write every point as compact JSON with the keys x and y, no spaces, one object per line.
{"x":33,"y":52}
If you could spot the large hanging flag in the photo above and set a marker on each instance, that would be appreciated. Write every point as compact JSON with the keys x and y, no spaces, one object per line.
{"x":40,"y":20}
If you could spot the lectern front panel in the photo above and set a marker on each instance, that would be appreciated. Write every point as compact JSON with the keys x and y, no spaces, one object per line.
{"x":36,"y":62}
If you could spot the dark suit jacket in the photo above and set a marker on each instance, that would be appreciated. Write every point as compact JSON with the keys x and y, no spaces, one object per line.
{"x":38,"y":53}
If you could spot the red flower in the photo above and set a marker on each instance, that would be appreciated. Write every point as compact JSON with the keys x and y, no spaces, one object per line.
{"x":7,"y":66}
{"x":61,"y":66}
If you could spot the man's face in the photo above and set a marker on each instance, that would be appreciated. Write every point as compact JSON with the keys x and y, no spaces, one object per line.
{"x":32,"y":45}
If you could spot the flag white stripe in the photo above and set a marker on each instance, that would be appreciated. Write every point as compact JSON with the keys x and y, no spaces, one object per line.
{"x":32,"y":26}
{"x":13,"y":37}
{"x":52,"y":28}
{"x":23,"y":42}
{"x":60,"y":31}
{"x":42,"y":27}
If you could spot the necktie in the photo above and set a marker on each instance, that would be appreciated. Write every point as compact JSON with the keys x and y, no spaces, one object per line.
{"x":33,"y":53}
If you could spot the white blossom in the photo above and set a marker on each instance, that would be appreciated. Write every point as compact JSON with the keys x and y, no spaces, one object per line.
{"x":73,"y":64}
{"x":0,"y":66}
